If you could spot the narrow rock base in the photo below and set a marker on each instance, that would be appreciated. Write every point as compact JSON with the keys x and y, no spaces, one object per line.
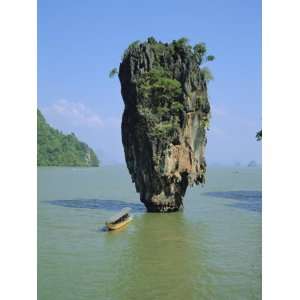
{"x":162,"y":207}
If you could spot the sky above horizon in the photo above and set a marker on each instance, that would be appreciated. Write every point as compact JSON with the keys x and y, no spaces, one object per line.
{"x":79,"y":42}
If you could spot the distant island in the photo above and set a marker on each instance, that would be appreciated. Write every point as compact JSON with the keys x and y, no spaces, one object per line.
{"x":57,"y":149}
{"x":252,"y":164}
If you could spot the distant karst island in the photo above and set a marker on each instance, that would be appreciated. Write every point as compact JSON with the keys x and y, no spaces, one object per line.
{"x":252,"y":164}
{"x":166,"y":115}
{"x":57,"y":149}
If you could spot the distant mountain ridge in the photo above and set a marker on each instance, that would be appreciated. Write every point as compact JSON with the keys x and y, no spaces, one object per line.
{"x":57,"y":149}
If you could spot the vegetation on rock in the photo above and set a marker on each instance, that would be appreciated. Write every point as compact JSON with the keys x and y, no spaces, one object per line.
{"x":259,"y":135}
{"x":57,"y":149}
{"x":113,"y":72}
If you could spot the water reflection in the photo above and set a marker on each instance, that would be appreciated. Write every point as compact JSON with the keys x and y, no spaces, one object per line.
{"x":110,"y":205}
{"x":249,"y":200}
{"x":165,"y":258}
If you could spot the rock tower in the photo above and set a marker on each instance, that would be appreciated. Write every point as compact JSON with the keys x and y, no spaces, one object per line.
{"x":165,"y":119}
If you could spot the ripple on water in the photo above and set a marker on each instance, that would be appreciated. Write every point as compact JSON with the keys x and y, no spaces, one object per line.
{"x":110,"y":205}
{"x":248,"y":200}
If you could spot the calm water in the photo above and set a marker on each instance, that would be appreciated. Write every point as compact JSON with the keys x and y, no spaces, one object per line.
{"x":211,"y":250}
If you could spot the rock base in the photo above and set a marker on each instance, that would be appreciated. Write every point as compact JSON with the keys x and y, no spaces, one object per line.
{"x":164,"y":204}
{"x":161,"y":208}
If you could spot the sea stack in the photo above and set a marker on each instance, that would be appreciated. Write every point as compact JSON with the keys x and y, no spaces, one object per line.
{"x":165,"y":119}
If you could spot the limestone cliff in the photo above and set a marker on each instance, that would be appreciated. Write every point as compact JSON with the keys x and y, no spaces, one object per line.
{"x":165,"y":119}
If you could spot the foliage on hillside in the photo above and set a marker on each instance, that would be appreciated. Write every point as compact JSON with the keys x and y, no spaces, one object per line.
{"x":57,"y":149}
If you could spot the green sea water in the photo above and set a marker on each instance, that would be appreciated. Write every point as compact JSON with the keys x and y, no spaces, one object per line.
{"x":210,"y":250}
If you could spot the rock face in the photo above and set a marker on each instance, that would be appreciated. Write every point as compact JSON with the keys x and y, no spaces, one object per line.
{"x":165,"y":120}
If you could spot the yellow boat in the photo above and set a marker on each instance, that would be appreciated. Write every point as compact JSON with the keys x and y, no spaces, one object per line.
{"x":119,"y":220}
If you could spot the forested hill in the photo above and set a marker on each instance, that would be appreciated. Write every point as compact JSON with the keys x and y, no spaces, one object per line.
{"x":57,"y":149}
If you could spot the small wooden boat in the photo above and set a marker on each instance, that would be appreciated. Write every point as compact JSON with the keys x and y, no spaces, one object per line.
{"x":119,"y":220}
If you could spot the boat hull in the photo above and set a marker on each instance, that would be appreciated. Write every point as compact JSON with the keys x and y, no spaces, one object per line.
{"x":111,"y":226}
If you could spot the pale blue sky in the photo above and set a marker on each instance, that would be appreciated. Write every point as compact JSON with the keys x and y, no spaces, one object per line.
{"x":79,"y":42}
